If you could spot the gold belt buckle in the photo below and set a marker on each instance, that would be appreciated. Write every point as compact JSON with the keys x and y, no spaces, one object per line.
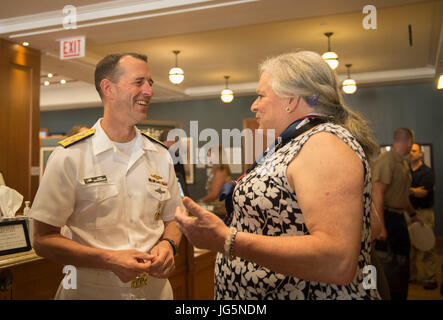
{"x":140,"y":281}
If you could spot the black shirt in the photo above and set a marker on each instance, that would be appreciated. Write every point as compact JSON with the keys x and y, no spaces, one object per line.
{"x":423,"y":176}
{"x":179,"y":169}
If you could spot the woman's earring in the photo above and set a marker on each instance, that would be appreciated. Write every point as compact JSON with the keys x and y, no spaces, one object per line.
{"x":288,"y":110}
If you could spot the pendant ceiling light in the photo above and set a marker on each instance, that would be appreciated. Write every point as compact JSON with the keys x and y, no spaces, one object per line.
{"x":176,"y":74}
{"x":227,"y":95}
{"x":330,"y":57}
{"x":349,"y":85}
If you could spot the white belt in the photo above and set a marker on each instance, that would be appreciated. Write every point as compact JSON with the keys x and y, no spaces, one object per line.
{"x":103,"y":284}
{"x":100,"y":277}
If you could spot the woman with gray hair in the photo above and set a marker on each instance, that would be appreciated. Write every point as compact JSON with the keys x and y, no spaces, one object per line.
{"x":300,"y":224}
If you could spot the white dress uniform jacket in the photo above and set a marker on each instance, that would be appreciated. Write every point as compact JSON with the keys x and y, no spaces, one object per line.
{"x":107,"y":200}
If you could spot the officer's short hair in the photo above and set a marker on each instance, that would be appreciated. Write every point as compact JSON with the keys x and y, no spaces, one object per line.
{"x":107,"y":68}
{"x":403,"y":134}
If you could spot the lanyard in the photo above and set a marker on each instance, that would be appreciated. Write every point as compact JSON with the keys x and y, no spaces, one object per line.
{"x":295,"y":129}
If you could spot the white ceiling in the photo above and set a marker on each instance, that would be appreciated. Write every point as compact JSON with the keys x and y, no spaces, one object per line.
{"x":219,"y":38}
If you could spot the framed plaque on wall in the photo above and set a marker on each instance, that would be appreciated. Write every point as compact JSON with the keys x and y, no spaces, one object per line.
{"x":14,"y":237}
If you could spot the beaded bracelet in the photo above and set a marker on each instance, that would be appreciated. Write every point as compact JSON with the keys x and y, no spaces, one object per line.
{"x":229,"y":243}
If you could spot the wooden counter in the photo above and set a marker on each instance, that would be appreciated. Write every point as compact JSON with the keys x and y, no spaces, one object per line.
{"x":12,"y":260}
{"x":193,"y":278}
{"x":25,"y":276}
{"x":202,"y":275}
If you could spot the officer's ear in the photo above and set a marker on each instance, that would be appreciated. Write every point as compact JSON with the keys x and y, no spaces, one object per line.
{"x":107,"y":88}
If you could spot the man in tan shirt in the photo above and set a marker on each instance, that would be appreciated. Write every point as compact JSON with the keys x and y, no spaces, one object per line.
{"x":391,"y":182}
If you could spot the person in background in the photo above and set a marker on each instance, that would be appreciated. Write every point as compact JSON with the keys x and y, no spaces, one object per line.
{"x":392,"y":179}
{"x":176,"y":158}
{"x":174,"y":152}
{"x":77,"y":129}
{"x":422,"y":199}
{"x":301,"y":226}
{"x":376,"y":229}
{"x":219,"y":174}
{"x":116,"y":189}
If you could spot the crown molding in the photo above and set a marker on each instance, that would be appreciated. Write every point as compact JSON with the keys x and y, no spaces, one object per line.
{"x":391,"y":76}
{"x":105,"y":13}
{"x":82,"y":95}
{"x":365,"y":78}
{"x":238,"y":88}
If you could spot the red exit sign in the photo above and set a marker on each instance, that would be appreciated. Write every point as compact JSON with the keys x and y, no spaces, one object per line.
{"x":72,"y":48}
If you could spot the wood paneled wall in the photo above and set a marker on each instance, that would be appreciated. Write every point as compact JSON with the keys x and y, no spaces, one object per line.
{"x":19,"y":117}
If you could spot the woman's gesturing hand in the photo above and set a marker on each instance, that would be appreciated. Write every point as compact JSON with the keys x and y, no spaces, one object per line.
{"x":202,"y":228}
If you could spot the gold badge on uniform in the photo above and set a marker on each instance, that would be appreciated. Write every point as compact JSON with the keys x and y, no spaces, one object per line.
{"x":160,"y":191}
{"x":156,"y":179}
{"x":157,"y":213}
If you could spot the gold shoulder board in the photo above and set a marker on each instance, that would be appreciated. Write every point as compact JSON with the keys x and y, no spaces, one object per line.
{"x":144,"y":133}
{"x":76,"y":138}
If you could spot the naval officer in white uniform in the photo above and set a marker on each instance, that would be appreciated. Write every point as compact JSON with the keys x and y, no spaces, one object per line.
{"x":115,"y":188}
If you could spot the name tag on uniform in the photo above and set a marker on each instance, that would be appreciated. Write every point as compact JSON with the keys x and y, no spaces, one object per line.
{"x":95,"y":179}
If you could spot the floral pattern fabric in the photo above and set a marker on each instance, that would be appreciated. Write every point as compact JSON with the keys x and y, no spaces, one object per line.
{"x":265,"y":204}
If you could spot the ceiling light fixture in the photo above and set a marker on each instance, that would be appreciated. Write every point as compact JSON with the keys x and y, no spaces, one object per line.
{"x":50,"y":75}
{"x":330,"y":57}
{"x":176,"y":74}
{"x":46,"y":83}
{"x":25,"y":44}
{"x":227,"y":95}
{"x":349,"y":86}
{"x":62,"y":81}
{"x":440,"y":82}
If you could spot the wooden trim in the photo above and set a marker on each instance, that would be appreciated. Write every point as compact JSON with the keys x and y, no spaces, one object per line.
{"x":20,"y":121}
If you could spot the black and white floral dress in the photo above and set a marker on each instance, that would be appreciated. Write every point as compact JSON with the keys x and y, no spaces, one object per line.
{"x":264,"y":203}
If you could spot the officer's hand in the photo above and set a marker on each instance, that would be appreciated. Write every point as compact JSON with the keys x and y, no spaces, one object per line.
{"x":128,"y":264}
{"x":163,"y":263}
